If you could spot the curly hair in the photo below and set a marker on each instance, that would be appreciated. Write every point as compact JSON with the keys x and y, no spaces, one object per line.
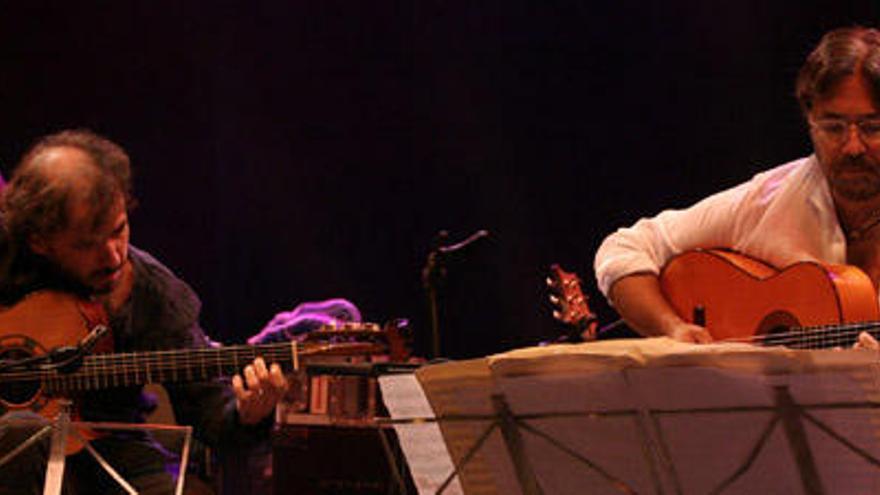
{"x":841,"y":53}
{"x":36,"y":198}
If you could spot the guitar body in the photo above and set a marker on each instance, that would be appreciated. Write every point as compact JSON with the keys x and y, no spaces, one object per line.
{"x":40,"y":322}
{"x":740,"y":297}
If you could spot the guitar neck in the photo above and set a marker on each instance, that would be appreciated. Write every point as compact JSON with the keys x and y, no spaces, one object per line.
{"x":99,"y":371}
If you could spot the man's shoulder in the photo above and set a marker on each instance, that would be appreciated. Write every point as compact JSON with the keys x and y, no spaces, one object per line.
{"x":805,"y":166}
{"x":797,"y":176}
{"x":149,"y":271}
{"x":795,"y":179}
{"x":156,"y":281}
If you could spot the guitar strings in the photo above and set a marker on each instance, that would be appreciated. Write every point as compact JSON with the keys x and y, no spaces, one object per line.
{"x":207,"y":361}
{"x":814,"y":337}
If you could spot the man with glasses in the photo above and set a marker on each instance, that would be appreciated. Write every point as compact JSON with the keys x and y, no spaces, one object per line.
{"x":825,"y":207}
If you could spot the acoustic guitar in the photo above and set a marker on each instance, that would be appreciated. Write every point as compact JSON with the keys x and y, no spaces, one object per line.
{"x":807,"y":305}
{"x":35,"y":376}
{"x":570,"y":305}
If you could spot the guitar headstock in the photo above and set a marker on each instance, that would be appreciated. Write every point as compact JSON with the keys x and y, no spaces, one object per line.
{"x":570,"y":304}
{"x":395,"y":336}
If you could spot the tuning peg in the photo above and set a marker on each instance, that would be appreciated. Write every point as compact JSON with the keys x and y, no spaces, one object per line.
{"x":554,"y":299}
{"x":549,"y":282}
{"x":557,"y":315}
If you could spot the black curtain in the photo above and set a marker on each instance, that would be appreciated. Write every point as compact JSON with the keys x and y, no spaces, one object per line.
{"x":292,"y":151}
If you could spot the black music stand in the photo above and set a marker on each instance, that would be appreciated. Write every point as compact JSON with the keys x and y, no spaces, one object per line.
{"x":62,"y":427}
{"x":650,"y":416}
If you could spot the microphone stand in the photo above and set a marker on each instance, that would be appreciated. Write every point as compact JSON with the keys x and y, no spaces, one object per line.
{"x":434,"y":274}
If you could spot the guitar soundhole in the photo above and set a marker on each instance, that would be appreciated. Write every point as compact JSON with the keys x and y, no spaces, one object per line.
{"x":17,"y":393}
{"x":775,"y":326}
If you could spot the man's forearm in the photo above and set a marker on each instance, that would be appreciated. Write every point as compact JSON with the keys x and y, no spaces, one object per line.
{"x":640,"y":301}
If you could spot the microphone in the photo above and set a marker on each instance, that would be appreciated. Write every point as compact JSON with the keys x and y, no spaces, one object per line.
{"x":64,"y":358}
{"x":476,"y":236}
{"x":434,"y":270}
{"x":68,"y":359}
{"x":88,"y":342}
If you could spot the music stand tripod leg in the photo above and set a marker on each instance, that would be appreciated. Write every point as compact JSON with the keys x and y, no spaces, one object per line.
{"x":120,"y":480}
{"x":184,"y":460}
{"x":528,"y":481}
{"x":790,"y":413}
{"x":108,"y":468}
{"x":57,"y":454}
{"x":392,"y":462}
{"x":36,"y":437}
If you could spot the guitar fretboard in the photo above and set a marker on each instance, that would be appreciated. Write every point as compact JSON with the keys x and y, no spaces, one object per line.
{"x":818,"y":337}
{"x":99,"y":371}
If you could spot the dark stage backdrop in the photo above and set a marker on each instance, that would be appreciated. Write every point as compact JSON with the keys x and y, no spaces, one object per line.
{"x":298,"y":150}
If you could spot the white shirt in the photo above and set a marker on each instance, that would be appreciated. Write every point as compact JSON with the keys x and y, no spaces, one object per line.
{"x":780,"y":216}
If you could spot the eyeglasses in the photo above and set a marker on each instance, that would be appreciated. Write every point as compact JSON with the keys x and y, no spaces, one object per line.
{"x":837,"y":130}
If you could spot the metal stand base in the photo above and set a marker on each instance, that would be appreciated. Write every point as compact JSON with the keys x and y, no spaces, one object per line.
{"x":62,"y":428}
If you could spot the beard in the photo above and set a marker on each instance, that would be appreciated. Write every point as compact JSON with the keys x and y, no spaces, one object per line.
{"x":855,"y":178}
{"x":101,"y":283}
